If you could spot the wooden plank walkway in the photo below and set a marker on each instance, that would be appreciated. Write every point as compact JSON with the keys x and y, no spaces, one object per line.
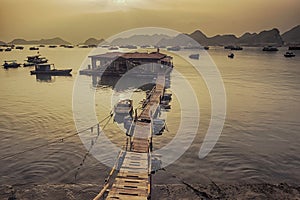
{"x":133,"y":181}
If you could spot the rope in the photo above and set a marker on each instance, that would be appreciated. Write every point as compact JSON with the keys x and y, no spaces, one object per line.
{"x":91,"y":147}
{"x":54,"y":141}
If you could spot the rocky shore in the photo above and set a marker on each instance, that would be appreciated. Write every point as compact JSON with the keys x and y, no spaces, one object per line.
{"x":165,"y":192}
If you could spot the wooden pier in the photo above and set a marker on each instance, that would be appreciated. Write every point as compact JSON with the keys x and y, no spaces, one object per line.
{"x":133,"y":179}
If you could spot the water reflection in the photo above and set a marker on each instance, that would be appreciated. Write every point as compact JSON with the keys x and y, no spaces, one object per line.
{"x":47,"y":78}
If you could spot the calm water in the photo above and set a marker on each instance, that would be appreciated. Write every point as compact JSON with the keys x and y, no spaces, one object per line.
{"x":260,"y":141}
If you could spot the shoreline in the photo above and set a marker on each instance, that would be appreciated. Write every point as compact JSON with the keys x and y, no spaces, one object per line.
{"x":160,"y":191}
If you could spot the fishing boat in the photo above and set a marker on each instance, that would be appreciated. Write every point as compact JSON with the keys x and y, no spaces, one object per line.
{"x":289,"y":54}
{"x":270,"y":48}
{"x":46,"y":69}
{"x":8,"y":49}
{"x":33,"y":60}
{"x":52,"y":46}
{"x":194,"y":56}
{"x":11,"y":64}
{"x":231,"y":55}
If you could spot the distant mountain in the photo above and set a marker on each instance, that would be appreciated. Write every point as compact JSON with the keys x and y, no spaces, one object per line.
{"x":269,"y":37}
{"x":51,"y":41}
{"x":140,"y":40}
{"x":292,"y":36}
{"x":222,"y":40}
{"x":93,"y":41}
{"x":2,"y":43}
{"x":179,"y":40}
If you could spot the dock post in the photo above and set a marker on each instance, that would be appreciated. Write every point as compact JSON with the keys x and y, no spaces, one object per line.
{"x":98,"y":129}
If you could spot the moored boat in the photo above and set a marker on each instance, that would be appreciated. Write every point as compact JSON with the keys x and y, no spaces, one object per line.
{"x":294,"y":47}
{"x":11,"y":64}
{"x":46,"y":69}
{"x":231,"y":55}
{"x":20,"y":47}
{"x":236,"y":48}
{"x":176,"y":48}
{"x":270,"y":48}
{"x":33,"y":48}
{"x":289,"y":54}
{"x":194,"y":56}
{"x":124,"y":107}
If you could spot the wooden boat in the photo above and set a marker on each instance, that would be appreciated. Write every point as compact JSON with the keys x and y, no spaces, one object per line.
{"x":52,"y":46}
{"x":194,"y":56}
{"x":231,"y":55}
{"x":8,"y":49}
{"x":11,"y":64}
{"x":124,"y":107}
{"x":289,"y":54}
{"x":46,"y":69}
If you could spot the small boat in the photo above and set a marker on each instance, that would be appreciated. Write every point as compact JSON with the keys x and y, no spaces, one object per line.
{"x":69,"y":46}
{"x":194,"y":56}
{"x":19,"y":47}
{"x":41,"y":45}
{"x":236,"y":48}
{"x":46,"y":69}
{"x":206,"y":48}
{"x":177,"y":48}
{"x":228,"y":47}
{"x":289,"y":54}
{"x":33,"y":60}
{"x":28,"y":64}
{"x":128,"y":46}
{"x":270,"y":48}
{"x":1,"y":50}
{"x":33,"y":48}
{"x":83,"y":46}
{"x":124,"y":107}
{"x":294,"y":48}
{"x":231,"y":55}
{"x":113,"y":48}
{"x":11,"y":64}
{"x":52,"y":46}
{"x":7,"y":49}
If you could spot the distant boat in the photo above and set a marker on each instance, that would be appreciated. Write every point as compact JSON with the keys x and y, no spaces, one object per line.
{"x":113,"y":48}
{"x":20,"y":47}
{"x":236,"y":48}
{"x":294,"y":48}
{"x":11,"y":64}
{"x":270,"y":48}
{"x":206,"y":48}
{"x":176,"y":48}
{"x":52,"y":46}
{"x":1,"y":50}
{"x":231,"y":55}
{"x":83,"y":46}
{"x":289,"y":54}
{"x":33,"y":48}
{"x":129,"y":46}
{"x":69,"y":46}
{"x":41,"y":45}
{"x":194,"y":56}
{"x":46,"y":69}
{"x":7,"y":49}
{"x":33,"y":60}
{"x":228,"y":47}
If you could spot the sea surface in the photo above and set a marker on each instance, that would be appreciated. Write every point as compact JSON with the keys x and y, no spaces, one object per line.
{"x":260,"y":140}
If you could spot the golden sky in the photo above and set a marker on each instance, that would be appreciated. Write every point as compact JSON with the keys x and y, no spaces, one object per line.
{"x":77,"y":20}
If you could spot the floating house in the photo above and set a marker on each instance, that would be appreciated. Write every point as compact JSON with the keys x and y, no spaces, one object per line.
{"x":118,"y":63}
